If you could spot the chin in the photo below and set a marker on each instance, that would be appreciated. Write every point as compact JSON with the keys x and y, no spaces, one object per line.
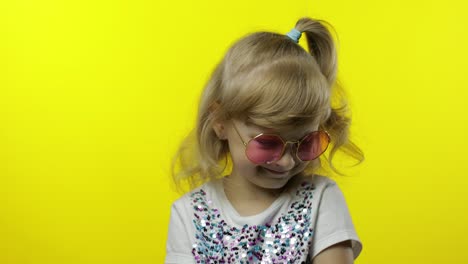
{"x":272,"y":181}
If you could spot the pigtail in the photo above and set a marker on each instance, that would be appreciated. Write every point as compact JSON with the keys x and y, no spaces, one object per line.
{"x":322,"y":48}
{"x":337,"y":125}
{"x":321,"y":45}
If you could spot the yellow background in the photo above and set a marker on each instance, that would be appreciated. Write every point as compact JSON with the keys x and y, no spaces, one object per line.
{"x":95,"y":96}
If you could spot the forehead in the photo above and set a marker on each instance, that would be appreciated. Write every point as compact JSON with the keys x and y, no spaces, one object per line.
{"x":288,"y":133}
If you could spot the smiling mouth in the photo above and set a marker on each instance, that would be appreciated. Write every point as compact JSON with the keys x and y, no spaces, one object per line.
{"x":276,"y":172}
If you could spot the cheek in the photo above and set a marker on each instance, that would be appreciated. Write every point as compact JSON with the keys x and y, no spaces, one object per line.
{"x":311,"y":166}
{"x":302,"y":165}
{"x":237,"y":152}
{"x":240,"y":160}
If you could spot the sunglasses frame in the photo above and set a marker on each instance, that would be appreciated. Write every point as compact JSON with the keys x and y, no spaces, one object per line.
{"x":285,"y":143}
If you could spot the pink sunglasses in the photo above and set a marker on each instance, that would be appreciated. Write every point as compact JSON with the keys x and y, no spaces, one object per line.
{"x":268,"y":148}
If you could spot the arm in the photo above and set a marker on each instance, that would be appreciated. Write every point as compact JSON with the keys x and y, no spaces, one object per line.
{"x":334,"y":230}
{"x":340,"y":253}
{"x":178,"y":244}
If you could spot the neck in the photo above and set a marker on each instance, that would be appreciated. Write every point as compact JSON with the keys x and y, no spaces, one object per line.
{"x":239,"y":189}
{"x":248,"y":198}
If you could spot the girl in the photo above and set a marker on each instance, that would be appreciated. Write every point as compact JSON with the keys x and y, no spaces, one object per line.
{"x":265,"y":117}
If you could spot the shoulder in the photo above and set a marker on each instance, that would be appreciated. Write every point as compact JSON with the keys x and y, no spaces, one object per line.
{"x":315,"y":179}
{"x":311,"y":188}
{"x":322,"y":181}
{"x":316,"y":182}
{"x":333,"y":220}
{"x":184,"y":209}
{"x":203,"y":192}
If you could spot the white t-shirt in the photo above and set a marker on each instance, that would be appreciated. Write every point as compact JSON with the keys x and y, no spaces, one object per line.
{"x":205,"y":228}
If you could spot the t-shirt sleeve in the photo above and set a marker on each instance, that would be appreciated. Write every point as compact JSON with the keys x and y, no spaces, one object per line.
{"x":334,"y":223}
{"x":178,"y":245}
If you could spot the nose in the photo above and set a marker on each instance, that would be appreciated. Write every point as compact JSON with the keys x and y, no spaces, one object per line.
{"x":288,"y":160}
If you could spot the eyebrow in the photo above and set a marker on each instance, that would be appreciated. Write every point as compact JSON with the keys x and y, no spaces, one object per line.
{"x":264,"y":130}
{"x":254,"y":134}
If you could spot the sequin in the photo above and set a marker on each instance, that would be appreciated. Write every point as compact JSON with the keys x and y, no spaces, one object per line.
{"x":285,"y":240}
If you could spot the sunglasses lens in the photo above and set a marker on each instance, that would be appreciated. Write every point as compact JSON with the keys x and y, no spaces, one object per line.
{"x":264,"y":148}
{"x":313,"y":145}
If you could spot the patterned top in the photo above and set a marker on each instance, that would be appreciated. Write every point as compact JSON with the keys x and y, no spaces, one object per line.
{"x":205,"y":228}
{"x":286,"y":240}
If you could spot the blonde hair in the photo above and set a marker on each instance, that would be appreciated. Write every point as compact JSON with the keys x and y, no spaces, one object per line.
{"x":273,"y":82}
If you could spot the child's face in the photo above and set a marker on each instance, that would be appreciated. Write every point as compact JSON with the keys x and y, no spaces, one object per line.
{"x":270,"y":176}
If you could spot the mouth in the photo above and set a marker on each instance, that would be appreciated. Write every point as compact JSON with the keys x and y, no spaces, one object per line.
{"x":278,"y":173}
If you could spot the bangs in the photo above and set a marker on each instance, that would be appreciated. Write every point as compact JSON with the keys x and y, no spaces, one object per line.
{"x":283,"y":94}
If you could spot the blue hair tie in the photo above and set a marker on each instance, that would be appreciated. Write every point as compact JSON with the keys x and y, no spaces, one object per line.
{"x":294,"y":34}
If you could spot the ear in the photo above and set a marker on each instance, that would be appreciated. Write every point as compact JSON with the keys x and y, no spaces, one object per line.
{"x":218,"y":126}
{"x":220,"y":130}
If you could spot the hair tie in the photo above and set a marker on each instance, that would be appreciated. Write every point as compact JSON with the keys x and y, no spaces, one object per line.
{"x":294,"y":34}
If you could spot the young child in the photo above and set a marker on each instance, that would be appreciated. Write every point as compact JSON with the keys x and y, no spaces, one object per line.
{"x":265,"y":117}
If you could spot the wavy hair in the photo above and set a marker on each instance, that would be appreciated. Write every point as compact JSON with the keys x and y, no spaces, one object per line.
{"x":273,"y":82}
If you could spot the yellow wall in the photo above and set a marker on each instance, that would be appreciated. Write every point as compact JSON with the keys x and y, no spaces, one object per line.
{"x":95,"y":95}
